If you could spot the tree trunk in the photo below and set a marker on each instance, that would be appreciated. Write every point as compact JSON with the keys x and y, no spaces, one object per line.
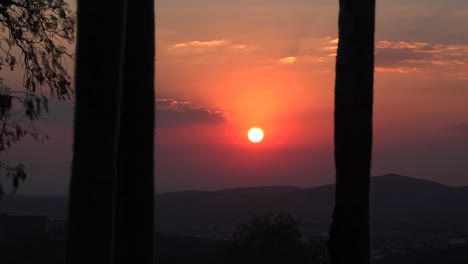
{"x":98,"y":81}
{"x":112,"y":190}
{"x":349,"y":233}
{"x":134,"y":189}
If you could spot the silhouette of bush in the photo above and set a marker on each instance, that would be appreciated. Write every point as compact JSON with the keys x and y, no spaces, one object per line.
{"x":271,"y":239}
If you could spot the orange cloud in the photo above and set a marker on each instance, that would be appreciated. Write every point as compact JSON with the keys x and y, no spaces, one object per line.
{"x":287,"y":60}
{"x":403,"y":70}
{"x":200,"y":44}
{"x":384,"y":44}
{"x":215,"y":49}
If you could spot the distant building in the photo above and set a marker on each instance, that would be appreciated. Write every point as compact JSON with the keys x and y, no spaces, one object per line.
{"x":18,"y":226}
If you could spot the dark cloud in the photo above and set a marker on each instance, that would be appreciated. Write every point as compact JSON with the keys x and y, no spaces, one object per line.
{"x":170,"y":112}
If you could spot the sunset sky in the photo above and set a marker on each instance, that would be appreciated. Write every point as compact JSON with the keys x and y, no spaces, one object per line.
{"x":225,"y":66}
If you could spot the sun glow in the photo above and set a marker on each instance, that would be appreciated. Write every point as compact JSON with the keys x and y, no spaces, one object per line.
{"x":255,"y":134}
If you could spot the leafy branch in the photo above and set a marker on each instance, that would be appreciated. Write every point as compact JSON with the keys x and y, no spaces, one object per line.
{"x":36,"y":30}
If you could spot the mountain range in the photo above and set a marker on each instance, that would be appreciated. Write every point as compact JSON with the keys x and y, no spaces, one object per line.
{"x":398,"y":204}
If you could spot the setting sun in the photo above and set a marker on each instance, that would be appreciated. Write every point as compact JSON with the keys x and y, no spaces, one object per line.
{"x":255,"y":134}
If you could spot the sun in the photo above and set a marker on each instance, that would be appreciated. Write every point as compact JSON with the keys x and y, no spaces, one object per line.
{"x":255,"y":134}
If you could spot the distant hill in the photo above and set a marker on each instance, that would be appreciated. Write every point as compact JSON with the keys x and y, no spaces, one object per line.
{"x":398,"y":204}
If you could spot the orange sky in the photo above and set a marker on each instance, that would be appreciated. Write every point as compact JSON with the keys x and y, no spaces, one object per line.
{"x":225,"y":66}
{"x":271,"y":64}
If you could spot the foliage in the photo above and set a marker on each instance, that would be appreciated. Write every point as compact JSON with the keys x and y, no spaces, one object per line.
{"x":274,"y":239}
{"x":32,"y":33}
{"x":17,"y":174}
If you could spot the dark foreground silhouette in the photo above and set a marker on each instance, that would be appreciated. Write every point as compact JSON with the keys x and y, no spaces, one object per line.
{"x":111,"y":203}
{"x":272,"y":239}
{"x":251,"y":242}
{"x":414,"y":221}
{"x":349,"y":240}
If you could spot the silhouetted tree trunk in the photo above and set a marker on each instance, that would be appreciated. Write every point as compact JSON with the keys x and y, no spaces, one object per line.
{"x":98,"y":81}
{"x":111,"y":195}
{"x":349,"y":233}
{"x":134,"y":193}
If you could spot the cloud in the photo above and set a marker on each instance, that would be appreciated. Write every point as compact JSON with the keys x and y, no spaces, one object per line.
{"x":203,"y":52}
{"x":240,"y":46}
{"x":170,"y":112}
{"x":402,"y":57}
{"x":384,"y":44}
{"x":424,"y":59}
{"x":287,"y":60}
{"x":402,"y":70}
{"x":331,"y":44}
{"x":405,"y":57}
{"x":198,"y":47}
{"x":200,"y":44}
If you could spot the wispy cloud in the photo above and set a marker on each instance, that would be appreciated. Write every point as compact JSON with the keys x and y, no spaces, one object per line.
{"x":287,"y":60}
{"x":394,"y":57}
{"x":412,"y":56}
{"x":170,"y":112}
{"x":404,"y":57}
{"x":204,"y":51}
{"x":403,"y":70}
{"x":391,"y":57}
{"x":200,"y":44}
{"x":197,"y":47}
{"x":384,"y":44}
